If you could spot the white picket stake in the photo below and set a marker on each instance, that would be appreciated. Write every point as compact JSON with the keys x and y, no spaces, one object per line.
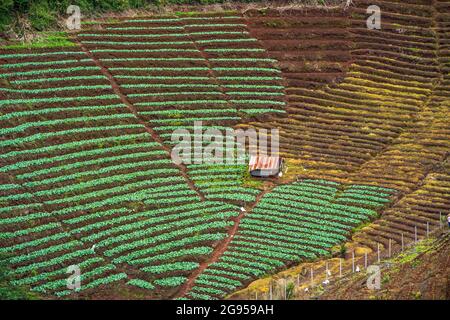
{"x":340,"y":267}
{"x":365,"y":260}
{"x":312,"y":277}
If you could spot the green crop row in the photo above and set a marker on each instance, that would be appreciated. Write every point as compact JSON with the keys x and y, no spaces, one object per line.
{"x":179,"y":102}
{"x":27,"y":125}
{"x":248,"y":78}
{"x":183,"y":229}
{"x":254,"y":69}
{"x":134,"y":43}
{"x":196,"y":251}
{"x":43,"y":111}
{"x":219,"y":280}
{"x":177,"y":93}
{"x":170,"y":281}
{"x":105,"y":180}
{"x":105,"y":169}
{"x":58,"y":89}
{"x":142,"y":50}
{"x":163,"y":85}
{"x":21,"y":219}
{"x":47,"y":135}
{"x":24,"y":232}
{"x":141,"y":284}
{"x":159,"y":69}
{"x":145,"y":28}
{"x":44,"y":276}
{"x":187,"y":239}
{"x":40,"y":54}
{"x":227,"y":40}
{"x":58,"y":99}
{"x":125,"y":35}
{"x":171,"y":267}
{"x":98,"y":161}
{"x":47,"y":70}
{"x":207,"y":290}
{"x":254,"y":93}
{"x":74,"y":144}
{"x":101,"y":281}
{"x":70,"y":78}
{"x":41,"y":63}
{"x":116,"y":199}
{"x":84,"y":277}
{"x":187,"y":111}
{"x":161,"y":77}
{"x":75,"y":155}
{"x":214,"y":284}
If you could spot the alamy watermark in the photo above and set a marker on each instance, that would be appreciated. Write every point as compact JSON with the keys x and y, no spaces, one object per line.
{"x":73,"y":22}
{"x":374,"y":20}
{"x":73,"y":282}
{"x":374,"y":279}
{"x":210,"y":145}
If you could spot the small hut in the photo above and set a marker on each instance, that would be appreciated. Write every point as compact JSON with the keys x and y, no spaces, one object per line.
{"x":265,"y":166}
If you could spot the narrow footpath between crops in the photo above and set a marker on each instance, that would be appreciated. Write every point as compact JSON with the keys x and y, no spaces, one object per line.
{"x":220,"y":249}
{"x":116,"y":88}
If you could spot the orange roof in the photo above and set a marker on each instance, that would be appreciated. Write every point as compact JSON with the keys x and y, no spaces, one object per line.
{"x":263,"y":162}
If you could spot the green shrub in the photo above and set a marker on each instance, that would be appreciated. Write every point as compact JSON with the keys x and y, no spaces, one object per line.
{"x":7,"y":291}
{"x":5,"y":16}
{"x":40,"y":15}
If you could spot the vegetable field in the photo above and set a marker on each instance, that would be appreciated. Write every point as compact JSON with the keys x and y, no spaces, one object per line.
{"x":86,"y":176}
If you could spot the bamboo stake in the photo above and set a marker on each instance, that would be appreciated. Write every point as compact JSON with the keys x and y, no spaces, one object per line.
{"x":390,"y":247}
{"x":353,"y":261}
{"x":378,"y":252}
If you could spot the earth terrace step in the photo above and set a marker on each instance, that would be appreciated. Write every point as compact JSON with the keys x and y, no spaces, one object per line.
{"x":406,"y":8}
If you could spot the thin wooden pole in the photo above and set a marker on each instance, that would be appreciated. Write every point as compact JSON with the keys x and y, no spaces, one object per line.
{"x":415,"y":233}
{"x":365,"y":260}
{"x":270,"y":292}
{"x":378,"y":252}
{"x":353,"y":261}
{"x":312,"y":277}
{"x":390,"y":247}
{"x":428,"y":228}
{"x":340,"y":267}
{"x":402,"y":242}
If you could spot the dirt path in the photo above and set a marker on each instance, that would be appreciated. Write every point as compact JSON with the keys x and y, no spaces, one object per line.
{"x":116,"y":88}
{"x":220,"y":248}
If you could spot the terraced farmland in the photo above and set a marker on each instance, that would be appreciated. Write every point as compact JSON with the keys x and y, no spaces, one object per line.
{"x":86,"y":176}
